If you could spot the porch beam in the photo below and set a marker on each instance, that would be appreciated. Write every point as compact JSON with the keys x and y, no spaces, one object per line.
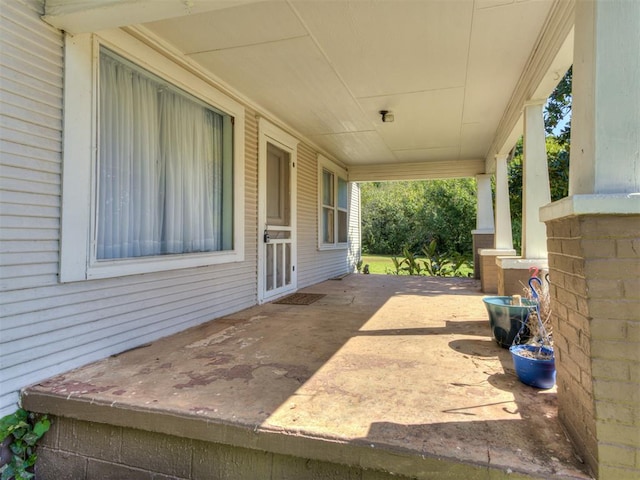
{"x":416,"y":171}
{"x":82,"y":16}
{"x":551,"y":57}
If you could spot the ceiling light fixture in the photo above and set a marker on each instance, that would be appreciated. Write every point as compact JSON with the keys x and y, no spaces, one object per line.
{"x":387,"y":116}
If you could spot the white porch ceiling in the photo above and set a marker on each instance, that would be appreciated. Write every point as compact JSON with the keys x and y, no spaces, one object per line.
{"x":447,"y":69}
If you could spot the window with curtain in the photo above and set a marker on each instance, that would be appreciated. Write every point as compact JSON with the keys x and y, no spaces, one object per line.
{"x":334,"y":206}
{"x":165,"y":167}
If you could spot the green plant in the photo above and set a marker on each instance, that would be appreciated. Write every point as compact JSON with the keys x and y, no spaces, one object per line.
{"x":397,"y":265}
{"x":359,"y":265}
{"x":434,"y":263}
{"x":24,"y":429}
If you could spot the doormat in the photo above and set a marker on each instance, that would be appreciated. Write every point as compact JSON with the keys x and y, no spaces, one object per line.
{"x":300,"y":299}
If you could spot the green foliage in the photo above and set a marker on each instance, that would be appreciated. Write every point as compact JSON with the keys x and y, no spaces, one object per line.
{"x":443,"y":264}
{"x":24,"y":430}
{"x":558,"y":109}
{"x":406,"y":215}
{"x":432,"y":263}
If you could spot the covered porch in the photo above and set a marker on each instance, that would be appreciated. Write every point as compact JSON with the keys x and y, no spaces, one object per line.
{"x":384,"y":376}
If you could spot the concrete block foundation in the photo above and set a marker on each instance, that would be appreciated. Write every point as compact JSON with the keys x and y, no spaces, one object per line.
{"x":79,"y":450}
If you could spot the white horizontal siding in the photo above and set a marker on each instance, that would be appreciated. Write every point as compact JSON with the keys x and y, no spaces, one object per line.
{"x":314,"y":265}
{"x":30,"y":146}
{"x":48,"y":327}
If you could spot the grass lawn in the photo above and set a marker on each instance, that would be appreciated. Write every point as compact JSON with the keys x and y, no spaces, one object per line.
{"x":380,"y":264}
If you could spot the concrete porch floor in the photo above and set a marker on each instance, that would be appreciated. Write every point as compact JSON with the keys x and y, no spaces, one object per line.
{"x":385,"y":373}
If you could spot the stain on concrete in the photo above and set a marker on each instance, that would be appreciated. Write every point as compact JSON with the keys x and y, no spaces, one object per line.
{"x":237,"y":372}
{"x":300,"y":373}
{"x":76,"y":387}
{"x":119,"y":392}
{"x":216,"y":358}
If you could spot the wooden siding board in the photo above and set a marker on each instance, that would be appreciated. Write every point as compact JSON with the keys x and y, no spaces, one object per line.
{"x":32,"y":133}
{"x":10,"y":198}
{"x":11,"y":77}
{"x":27,"y":234}
{"x":114,"y":306}
{"x":28,"y":246}
{"x":24,"y":210}
{"x":17,"y":149}
{"x":32,"y":75}
{"x":15,"y":34}
{"x":27,"y":13}
{"x":27,"y":174}
{"x":24,"y":258}
{"x":44,"y":166}
{"x":24,"y":107}
{"x":87,"y":292}
{"x":7,"y":221}
{"x":33,"y":95}
{"x":25,"y":186}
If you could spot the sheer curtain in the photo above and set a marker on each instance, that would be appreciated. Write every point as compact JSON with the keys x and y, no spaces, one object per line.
{"x":160,"y":167}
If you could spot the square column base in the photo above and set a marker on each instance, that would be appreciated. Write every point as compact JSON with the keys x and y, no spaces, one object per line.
{"x":481,"y":239}
{"x":513,"y":273}
{"x":489,"y":268}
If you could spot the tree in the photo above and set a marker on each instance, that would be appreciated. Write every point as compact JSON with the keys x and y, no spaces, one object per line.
{"x":399,"y":215}
{"x":558,"y":110}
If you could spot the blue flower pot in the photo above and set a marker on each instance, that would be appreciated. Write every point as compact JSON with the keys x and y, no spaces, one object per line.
{"x":539,"y":373}
{"x":506,"y":320}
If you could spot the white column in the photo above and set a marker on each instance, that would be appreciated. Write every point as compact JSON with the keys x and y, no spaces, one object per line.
{"x":504,"y":234}
{"x":605,"y":145}
{"x":535,"y":179}
{"x":484,"y":216}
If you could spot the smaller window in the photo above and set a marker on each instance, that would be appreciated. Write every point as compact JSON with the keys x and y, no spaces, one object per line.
{"x":334,"y":205}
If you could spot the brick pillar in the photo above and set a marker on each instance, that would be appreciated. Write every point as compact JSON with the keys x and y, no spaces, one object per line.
{"x":481,"y":240}
{"x":594,"y":262}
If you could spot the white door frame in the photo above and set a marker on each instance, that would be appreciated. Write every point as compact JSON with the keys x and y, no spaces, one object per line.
{"x":269,"y":133}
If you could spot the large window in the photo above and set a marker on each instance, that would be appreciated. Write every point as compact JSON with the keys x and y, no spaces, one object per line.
{"x":334,"y":205}
{"x":153,"y":163}
{"x":165,"y":167}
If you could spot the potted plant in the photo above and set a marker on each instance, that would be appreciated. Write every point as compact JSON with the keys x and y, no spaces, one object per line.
{"x":533,"y":358}
{"x":508,"y":318}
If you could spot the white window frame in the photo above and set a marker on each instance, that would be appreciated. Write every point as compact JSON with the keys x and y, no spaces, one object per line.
{"x":79,"y":179}
{"x":325,"y":164}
